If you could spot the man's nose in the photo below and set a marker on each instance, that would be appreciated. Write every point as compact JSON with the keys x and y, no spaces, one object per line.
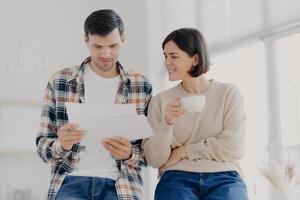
{"x":106,"y":53}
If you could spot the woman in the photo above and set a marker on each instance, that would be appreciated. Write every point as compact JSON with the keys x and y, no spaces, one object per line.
{"x":197,"y":153}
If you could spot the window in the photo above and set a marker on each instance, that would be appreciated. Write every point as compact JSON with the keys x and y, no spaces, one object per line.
{"x":287,"y":50}
{"x":245,"y":67}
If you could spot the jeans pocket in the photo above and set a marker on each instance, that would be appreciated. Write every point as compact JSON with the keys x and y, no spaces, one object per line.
{"x":236,"y":177}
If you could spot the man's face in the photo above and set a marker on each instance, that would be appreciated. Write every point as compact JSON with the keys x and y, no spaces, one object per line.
{"x":105,"y":50}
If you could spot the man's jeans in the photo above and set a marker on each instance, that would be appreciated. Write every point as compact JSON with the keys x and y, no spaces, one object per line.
{"x":180,"y":185}
{"x":87,"y":188}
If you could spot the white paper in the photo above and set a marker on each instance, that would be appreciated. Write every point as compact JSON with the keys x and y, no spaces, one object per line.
{"x":101,"y":122}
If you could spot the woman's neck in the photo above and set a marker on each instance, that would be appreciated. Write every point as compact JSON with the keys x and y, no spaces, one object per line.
{"x":196,"y":85}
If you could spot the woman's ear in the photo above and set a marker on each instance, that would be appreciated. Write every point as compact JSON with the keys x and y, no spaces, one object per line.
{"x":196,"y":60}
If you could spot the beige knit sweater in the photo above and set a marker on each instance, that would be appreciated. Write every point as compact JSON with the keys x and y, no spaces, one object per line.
{"x":213,"y":138}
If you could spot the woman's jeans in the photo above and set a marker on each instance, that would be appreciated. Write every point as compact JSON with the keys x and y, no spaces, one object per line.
{"x":180,"y":185}
{"x":87,"y":188}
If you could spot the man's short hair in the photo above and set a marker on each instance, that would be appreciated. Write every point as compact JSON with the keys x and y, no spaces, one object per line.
{"x":103,"y":22}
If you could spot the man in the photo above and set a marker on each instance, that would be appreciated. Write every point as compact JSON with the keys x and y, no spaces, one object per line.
{"x":99,"y":79}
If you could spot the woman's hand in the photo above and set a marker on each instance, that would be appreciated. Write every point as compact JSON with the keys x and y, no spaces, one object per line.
{"x":173,"y":111}
{"x":177,"y":154}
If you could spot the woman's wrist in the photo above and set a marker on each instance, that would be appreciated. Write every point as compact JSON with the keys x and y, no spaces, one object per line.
{"x":168,"y":121}
{"x":183,"y":154}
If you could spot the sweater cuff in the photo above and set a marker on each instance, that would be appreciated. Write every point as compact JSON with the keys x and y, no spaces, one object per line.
{"x":192,"y":153}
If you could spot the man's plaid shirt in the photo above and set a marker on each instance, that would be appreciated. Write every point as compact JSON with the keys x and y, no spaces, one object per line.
{"x":67,"y":86}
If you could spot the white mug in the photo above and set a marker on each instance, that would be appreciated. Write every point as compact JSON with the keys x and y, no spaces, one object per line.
{"x":193,"y":103}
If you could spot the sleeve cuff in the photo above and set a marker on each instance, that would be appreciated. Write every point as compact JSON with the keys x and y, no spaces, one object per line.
{"x":192,"y":154}
{"x":136,"y":156}
{"x":59,"y":151}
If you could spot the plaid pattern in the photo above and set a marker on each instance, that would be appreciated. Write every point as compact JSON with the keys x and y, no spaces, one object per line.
{"x":67,"y":86}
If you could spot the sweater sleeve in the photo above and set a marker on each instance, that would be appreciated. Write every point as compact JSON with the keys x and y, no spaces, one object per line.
{"x":158,"y":147}
{"x":229,"y":144}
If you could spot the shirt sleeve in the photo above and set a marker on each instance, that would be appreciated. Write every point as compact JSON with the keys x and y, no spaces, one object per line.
{"x":137,"y":158}
{"x":48,"y":146}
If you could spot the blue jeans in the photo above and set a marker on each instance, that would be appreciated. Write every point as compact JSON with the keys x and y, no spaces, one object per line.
{"x":87,"y":188}
{"x":180,"y":185}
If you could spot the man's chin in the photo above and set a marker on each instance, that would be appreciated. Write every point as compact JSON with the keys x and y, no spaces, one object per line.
{"x":105,"y":67}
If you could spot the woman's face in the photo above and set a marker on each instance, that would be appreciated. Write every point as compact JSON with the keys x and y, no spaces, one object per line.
{"x":178,"y":62}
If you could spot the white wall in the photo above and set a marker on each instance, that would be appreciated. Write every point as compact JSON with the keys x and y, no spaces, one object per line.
{"x":41,"y":37}
{"x":37,"y":39}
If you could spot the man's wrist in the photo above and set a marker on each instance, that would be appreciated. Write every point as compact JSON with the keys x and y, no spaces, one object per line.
{"x":129,"y":157}
{"x":59,"y":151}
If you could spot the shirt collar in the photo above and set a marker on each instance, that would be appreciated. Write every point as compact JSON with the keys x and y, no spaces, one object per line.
{"x":77,"y":74}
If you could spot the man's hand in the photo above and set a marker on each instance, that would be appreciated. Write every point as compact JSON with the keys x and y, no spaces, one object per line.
{"x":119,"y":147}
{"x":177,"y":154}
{"x":69,"y":134}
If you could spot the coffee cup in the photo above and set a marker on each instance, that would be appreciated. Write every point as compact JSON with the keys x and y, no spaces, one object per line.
{"x":193,"y":103}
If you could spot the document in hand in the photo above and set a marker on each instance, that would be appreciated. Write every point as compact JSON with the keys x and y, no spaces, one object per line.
{"x":104,"y":121}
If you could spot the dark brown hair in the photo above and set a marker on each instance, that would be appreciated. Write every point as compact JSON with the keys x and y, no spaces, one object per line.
{"x":192,"y":42}
{"x":103,"y":22}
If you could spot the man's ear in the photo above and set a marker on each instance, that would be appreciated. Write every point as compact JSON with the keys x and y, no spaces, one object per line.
{"x":86,"y":39}
{"x":123,"y":38}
